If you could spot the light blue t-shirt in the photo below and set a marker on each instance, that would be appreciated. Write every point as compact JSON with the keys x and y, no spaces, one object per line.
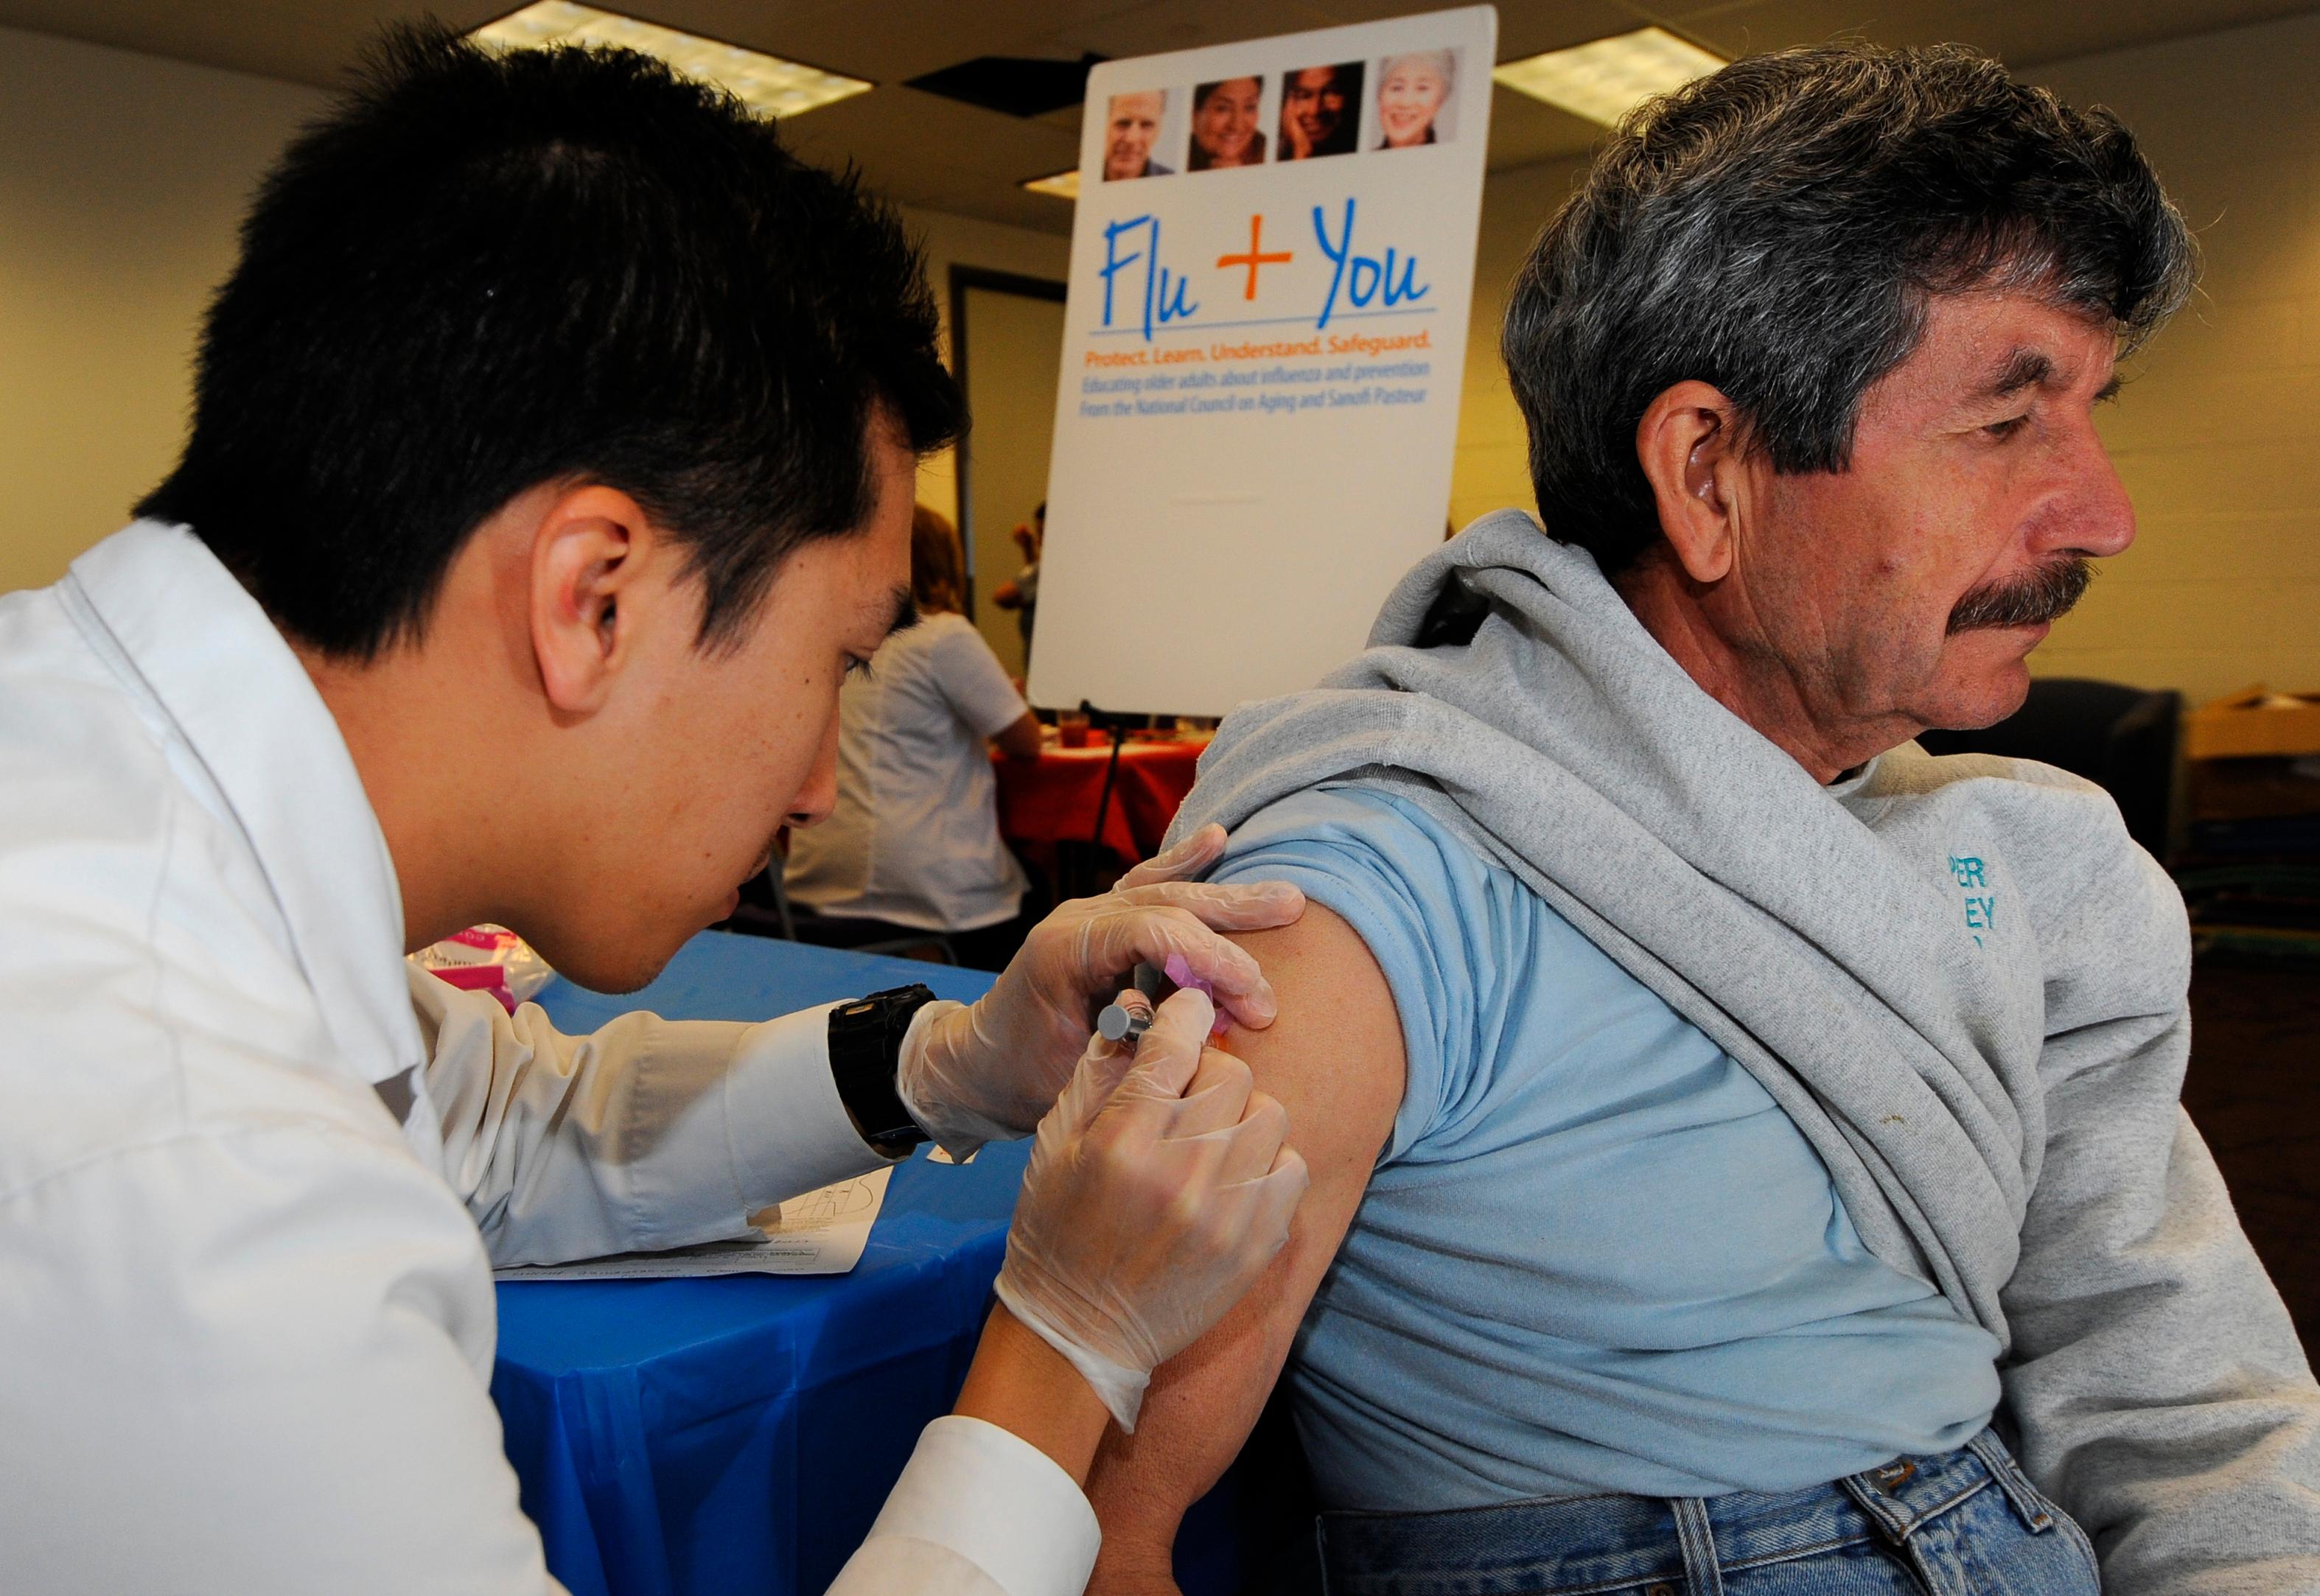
{"x":1595,"y":1255}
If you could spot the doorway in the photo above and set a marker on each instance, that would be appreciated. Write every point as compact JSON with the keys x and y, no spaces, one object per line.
{"x":1007,"y":352}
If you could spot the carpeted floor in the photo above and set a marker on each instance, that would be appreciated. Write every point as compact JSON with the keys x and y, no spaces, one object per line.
{"x":2254,"y":1093}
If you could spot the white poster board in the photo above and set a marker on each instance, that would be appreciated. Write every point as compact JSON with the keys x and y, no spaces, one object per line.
{"x":1262,"y":361}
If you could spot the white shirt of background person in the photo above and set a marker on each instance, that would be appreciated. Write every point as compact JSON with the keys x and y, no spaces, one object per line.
{"x":914,"y":838}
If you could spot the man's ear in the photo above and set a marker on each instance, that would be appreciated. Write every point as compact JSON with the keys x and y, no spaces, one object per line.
{"x":590,"y":551}
{"x":1692,"y":453}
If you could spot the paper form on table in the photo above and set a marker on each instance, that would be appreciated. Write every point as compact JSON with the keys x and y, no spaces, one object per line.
{"x":819,"y":1232}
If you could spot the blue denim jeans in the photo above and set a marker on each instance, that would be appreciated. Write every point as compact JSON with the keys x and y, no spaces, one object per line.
{"x":1966,"y":1523}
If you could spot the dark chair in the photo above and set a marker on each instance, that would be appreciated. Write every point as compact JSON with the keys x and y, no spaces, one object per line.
{"x":765,"y":910}
{"x":2120,"y":737}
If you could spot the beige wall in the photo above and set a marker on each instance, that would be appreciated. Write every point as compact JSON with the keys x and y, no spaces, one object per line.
{"x":2218,"y":432}
{"x":121,"y":179}
{"x":1491,"y":471}
{"x":964,"y":240}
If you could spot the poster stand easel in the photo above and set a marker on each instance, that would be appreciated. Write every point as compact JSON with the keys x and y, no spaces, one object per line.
{"x":1113,"y":726}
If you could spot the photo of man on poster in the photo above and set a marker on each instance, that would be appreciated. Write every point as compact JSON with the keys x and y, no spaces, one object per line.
{"x":1320,"y":111}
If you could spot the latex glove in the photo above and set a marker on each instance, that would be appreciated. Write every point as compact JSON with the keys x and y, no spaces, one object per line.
{"x":988,"y":1072}
{"x":1160,"y":1188}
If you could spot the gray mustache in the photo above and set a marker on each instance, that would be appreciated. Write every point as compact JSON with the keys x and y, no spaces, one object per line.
{"x":2031,"y":600}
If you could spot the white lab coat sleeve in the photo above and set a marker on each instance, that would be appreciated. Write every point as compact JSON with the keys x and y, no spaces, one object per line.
{"x":647,"y":1134}
{"x":979,"y":1511}
{"x":252,"y":1359}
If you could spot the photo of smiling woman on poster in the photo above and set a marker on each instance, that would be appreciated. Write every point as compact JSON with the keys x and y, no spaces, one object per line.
{"x":1413,"y":98}
{"x":1225,"y":124}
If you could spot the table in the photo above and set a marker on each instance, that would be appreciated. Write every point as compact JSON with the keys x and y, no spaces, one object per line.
{"x":684,"y":1437}
{"x":738,"y":1434}
{"x":1053,"y":798}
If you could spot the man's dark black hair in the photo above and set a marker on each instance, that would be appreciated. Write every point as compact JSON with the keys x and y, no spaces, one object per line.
{"x":482,"y":273}
{"x":1775,"y":231}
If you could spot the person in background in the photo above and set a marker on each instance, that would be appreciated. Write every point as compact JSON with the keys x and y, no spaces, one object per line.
{"x":1313,"y":106}
{"x":1224,"y":124}
{"x":1413,"y":89}
{"x":1023,"y":595}
{"x":1130,"y":125}
{"x":913,"y":844}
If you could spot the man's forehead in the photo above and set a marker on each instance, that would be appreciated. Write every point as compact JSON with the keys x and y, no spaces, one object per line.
{"x":1988,"y":346}
{"x":2053,"y":364}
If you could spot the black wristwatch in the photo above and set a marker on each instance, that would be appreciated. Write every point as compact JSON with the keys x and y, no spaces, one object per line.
{"x":865,"y":1055}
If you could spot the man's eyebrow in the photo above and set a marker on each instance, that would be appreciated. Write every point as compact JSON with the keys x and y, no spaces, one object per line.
{"x":2024,"y":368}
{"x":905,"y":612}
{"x":2109,"y":390}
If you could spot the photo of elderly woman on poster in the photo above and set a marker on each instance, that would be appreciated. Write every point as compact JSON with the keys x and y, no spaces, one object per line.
{"x":1413,"y":98}
{"x":1225,"y":124}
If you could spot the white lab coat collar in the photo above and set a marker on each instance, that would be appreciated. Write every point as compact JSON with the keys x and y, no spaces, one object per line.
{"x":218,"y":668}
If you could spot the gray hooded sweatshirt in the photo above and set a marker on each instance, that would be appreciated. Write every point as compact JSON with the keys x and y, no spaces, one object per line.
{"x":1962,"y":981}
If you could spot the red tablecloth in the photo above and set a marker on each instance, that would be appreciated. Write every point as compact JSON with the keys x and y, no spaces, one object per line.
{"x":1053,"y":798}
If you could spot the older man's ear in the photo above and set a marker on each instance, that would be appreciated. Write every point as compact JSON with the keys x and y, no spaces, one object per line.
{"x":1691,"y":446}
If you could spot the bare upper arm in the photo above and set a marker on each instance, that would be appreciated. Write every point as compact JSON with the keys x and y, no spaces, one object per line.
{"x":1020,"y":738}
{"x":1335,"y":1055}
{"x":1335,"y":1059}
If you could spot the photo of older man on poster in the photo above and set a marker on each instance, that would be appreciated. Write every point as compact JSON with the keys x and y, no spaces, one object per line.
{"x":1320,"y":111}
{"x":1131,"y":125}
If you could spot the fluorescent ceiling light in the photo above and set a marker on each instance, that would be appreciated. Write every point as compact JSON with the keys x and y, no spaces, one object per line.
{"x":765,"y":84}
{"x":1063,"y":184}
{"x":1606,"y":79}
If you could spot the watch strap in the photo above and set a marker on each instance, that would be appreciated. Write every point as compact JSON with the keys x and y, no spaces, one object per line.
{"x":865,"y":1058}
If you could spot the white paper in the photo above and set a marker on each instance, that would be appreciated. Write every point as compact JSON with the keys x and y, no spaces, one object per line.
{"x":1258,"y":407}
{"x":820,"y":1232}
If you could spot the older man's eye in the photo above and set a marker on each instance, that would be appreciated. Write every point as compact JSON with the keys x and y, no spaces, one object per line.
{"x":2007,"y":428}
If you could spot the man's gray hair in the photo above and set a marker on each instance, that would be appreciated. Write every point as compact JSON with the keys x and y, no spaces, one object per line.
{"x":1776,"y":229}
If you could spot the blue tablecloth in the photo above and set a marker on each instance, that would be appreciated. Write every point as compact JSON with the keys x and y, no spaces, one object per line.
{"x":723,"y":1437}
{"x":737,"y":1434}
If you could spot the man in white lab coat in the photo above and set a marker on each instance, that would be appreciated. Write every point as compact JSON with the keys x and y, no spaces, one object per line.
{"x":552,"y":459}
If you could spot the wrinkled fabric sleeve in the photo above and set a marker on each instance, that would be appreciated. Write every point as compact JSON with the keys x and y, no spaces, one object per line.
{"x":646,"y":1134}
{"x":1421,"y":906}
{"x":978,"y":1511}
{"x":2162,"y":1394}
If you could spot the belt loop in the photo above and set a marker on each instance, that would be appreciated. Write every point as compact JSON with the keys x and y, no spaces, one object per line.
{"x":1696,"y":1541}
{"x":1321,"y":1549}
{"x":2012,"y":1481}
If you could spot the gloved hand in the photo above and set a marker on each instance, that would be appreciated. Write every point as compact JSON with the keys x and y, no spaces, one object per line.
{"x":1160,"y":1188}
{"x":988,"y":1072}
